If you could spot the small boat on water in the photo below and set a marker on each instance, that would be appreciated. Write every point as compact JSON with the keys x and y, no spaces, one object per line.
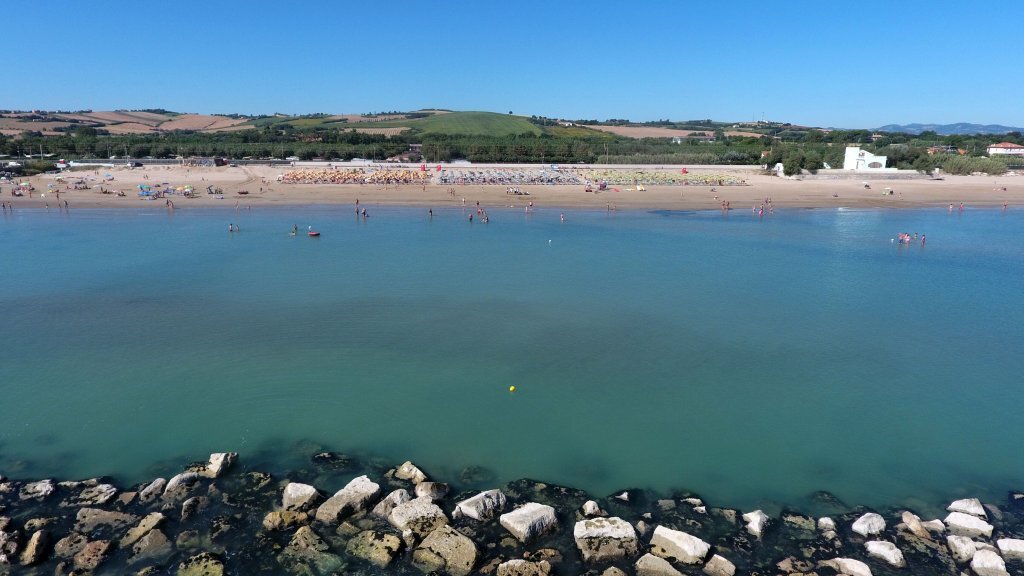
{"x":312,"y":233}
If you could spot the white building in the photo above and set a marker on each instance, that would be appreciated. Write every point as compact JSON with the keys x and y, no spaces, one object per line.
{"x":1005,"y":148}
{"x":857,"y":159}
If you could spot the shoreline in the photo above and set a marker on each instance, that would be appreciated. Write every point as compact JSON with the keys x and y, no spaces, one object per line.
{"x":223,"y":516}
{"x":264,"y":190}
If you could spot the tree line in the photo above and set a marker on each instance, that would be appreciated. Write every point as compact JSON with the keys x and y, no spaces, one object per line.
{"x":797,"y":150}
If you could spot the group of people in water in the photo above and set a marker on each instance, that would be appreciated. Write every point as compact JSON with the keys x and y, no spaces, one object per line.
{"x":906,"y":238}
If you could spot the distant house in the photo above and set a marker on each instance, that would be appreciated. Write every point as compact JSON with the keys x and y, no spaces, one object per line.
{"x":1006,"y":148}
{"x":860,"y":160}
{"x":932,"y":150}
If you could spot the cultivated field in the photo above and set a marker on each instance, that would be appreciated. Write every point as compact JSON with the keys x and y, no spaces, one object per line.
{"x":658,"y":132}
{"x":200,"y":122}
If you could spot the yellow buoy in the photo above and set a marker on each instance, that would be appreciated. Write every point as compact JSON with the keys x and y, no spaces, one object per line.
{"x":511,"y":388}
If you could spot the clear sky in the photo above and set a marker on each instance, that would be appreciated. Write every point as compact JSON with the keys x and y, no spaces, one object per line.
{"x":826,"y":63}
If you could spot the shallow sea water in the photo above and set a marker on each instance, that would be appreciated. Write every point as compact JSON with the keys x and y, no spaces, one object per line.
{"x":750,"y":360}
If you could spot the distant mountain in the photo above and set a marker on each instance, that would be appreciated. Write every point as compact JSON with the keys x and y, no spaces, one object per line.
{"x":950,"y":129}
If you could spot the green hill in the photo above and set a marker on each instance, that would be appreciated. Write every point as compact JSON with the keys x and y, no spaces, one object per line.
{"x":474,"y":123}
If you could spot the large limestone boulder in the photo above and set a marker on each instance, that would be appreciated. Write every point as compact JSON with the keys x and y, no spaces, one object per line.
{"x":355,"y":496}
{"x":445,"y":550}
{"x":219,"y":462}
{"x":153,"y":547}
{"x":677,"y":546}
{"x":152,"y":491}
{"x":481,"y":507}
{"x":180,"y":482}
{"x":970,"y":506}
{"x":847,"y":566}
{"x":37,"y":490}
{"x":870,"y":524}
{"x":92,"y":555}
{"x":409,"y":471}
{"x":88,"y":519}
{"x":70,"y":545}
{"x":35,"y":549}
{"x":605,"y":539}
{"x":308,"y":551}
{"x":912,"y":523}
{"x":387,"y":504}
{"x":96,"y":495}
{"x":377,"y":548}
{"x":886,"y":551}
{"x":1011,"y":548}
{"x":988,"y":563}
{"x":756,"y":522}
{"x":299,"y":497}
{"x":432,"y":490}
{"x":961,"y":547}
{"x":149,"y":522}
{"x":520,"y":567}
{"x":529,"y":521}
{"x":966,"y":525}
{"x":719,"y":566}
{"x":420,"y":516}
{"x":651,"y":565}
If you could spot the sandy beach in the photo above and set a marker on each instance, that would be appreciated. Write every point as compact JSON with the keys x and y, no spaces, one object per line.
{"x":263,"y":189}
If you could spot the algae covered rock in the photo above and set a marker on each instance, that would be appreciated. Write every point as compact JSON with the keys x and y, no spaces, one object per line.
{"x":284,"y":519}
{"x":520,"y":567}
{"x":204,"y":564}
{"x":605,"y":539}
{"x":420,"y":516}
{"x":307,"y":549}
{"x":445,"y":550}
{"x":377,"y":548}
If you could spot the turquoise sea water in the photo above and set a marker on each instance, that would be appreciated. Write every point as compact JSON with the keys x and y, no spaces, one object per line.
{"x":748,"y":360}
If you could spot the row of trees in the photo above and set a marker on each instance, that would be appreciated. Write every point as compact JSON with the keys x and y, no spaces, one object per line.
{"x":797,"y":157}
{"x":285,"y":140}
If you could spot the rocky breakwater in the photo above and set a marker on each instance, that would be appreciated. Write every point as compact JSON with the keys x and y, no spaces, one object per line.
{"x":218,"y":517}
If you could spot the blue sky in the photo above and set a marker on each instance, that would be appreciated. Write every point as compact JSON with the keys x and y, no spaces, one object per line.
{"x":841,"y":64}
